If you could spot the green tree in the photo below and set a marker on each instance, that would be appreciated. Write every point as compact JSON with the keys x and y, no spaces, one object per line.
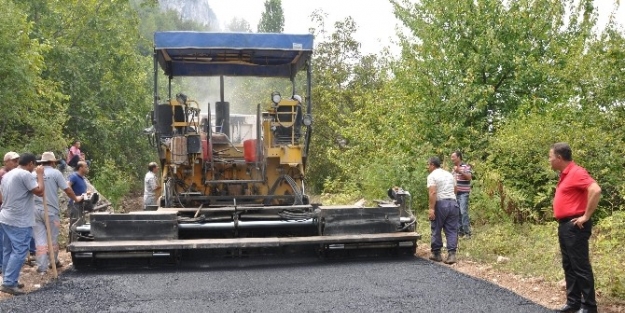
{"x":238,"y":25}
{"x":272,"y":19}
{"x":348,"y":150}
{"x":472,"y":58}
{"x":93,"y":58}
{"x":152,"y":18}
{"x":33,"y":112}
{"x":537,"y":68}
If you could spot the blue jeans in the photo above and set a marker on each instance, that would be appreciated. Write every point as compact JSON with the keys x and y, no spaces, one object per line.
{"x":62,"y":165}
{"x":31,"y":247}
{"x":15,"y":249}
{"x":446,"y":219}
{"x":464,"y":227}
{"x":1,"y":245}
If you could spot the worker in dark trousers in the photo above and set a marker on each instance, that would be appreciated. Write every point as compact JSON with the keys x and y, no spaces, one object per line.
{"x":444,"y":212}
{"x":576,"y":199}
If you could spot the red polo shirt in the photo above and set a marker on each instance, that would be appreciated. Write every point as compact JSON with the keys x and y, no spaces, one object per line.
{"x":572,"y":192}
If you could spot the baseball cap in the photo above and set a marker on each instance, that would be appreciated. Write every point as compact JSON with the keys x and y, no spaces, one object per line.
{"x":11,"y":156}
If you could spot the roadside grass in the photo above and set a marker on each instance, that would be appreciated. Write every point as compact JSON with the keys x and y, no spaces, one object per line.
{"x":532,"y":250}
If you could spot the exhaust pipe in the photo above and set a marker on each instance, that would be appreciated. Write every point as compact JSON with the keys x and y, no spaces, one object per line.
{"x":406,"y":219}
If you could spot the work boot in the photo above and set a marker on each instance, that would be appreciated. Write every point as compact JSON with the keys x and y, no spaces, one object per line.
{"x":11,"y":290}
{"x":567,"y":308}
{"x":451,"y":257}
{"x":31,"y":260}
{"x":436,"y":256}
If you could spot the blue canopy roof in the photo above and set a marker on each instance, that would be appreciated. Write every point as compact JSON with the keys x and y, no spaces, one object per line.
{"x":232,"y":54}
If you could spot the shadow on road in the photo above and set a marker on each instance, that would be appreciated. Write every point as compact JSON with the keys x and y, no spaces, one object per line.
{"x":205,"y":260}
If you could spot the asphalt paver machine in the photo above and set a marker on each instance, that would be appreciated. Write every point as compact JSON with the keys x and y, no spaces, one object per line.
{"x":234,"y":198}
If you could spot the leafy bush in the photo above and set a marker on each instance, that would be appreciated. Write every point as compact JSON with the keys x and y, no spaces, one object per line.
{"x":485,"y":208}
{"x":533,"y":250}
{"x":518,"y":169}
{"x":607,"y":255}
{"x":112,"y":182}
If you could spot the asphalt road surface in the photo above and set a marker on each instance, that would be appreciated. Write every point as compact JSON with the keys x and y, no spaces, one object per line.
{"x":273,"y":284}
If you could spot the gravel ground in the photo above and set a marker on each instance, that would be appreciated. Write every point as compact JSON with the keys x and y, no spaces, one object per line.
{"x":274,"y":285}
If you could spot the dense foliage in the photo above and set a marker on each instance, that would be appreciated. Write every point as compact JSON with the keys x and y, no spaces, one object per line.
{"x":81,"y":70}
{"x":499,"y":80}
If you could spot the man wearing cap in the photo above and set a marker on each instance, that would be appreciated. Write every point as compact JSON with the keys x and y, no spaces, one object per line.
{"x":53,"y":180}
{"x":17,"y":218}
{"x":10,"y":162}
{"x":150,"y":187}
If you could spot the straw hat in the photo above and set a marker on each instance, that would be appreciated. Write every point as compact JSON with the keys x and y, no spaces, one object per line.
{"x":47,"y":157}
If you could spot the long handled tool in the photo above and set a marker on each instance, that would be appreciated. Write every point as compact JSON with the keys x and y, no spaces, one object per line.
{"x":49,"y":238}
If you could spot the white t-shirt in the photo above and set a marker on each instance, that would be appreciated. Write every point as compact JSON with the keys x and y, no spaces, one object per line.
{"x":53,"y":181}
{"x":444,"y":182}
{"x":18,"y":205}
{"x":149,"y":184}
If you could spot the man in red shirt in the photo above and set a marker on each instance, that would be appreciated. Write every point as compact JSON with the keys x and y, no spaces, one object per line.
{"x":576,"y":198}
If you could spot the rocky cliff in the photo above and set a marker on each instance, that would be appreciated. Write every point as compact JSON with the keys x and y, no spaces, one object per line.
{"x":194,"y":10}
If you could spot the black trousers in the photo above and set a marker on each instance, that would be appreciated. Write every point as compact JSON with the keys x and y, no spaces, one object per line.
{"x":580,"y":282}
{"x":73,"y":162}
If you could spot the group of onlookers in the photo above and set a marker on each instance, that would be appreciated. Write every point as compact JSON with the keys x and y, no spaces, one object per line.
{"x":576,"y":198}
{"x":28,"y":189}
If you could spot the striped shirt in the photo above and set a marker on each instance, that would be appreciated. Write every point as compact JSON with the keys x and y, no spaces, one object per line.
{"x":463,"y":185}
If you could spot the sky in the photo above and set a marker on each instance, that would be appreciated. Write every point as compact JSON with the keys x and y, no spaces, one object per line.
{"x":376,"y":23}
{"x":375,"y":19}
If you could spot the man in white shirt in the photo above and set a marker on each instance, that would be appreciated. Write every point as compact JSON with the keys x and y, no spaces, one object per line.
{"x":150,"y":186}
{"x":444,"y":212}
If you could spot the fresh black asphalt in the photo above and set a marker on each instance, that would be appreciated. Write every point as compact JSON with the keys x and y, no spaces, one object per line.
{"x":406,"y":284}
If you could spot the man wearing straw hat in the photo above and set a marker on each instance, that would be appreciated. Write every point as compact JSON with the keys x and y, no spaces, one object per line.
{"x":17,"y":218}
{"x":53,"y":181}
